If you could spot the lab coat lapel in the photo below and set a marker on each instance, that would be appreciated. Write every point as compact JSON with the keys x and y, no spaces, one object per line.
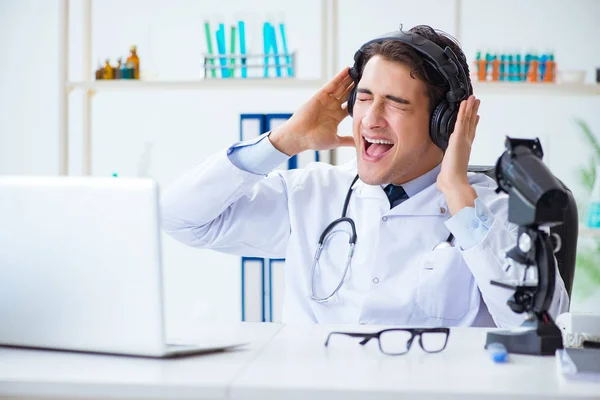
{"x":429,"y":201}
{"x":365,"y":191}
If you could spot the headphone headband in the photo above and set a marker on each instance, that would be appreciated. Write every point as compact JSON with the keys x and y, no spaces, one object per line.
{"x":442,"y":60}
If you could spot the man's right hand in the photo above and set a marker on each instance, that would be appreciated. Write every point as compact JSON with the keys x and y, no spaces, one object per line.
{"x":314,"y":125}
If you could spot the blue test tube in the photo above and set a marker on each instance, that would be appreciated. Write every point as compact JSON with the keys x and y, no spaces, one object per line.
{"x":222,"y":50}
{"x":242,"y":30}
{"x":528,"y":58}
{"x":543,"y":60}
{"x":273,"y":39}
{"x":288,"y":59}
{"x":266,"y":46}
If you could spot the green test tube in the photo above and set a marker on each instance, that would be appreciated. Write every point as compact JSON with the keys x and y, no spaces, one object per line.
{"x":209,"y":46}
{"x":232,"y":51}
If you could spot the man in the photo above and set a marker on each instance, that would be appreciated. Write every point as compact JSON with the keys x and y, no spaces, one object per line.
{"x":397,"y":274}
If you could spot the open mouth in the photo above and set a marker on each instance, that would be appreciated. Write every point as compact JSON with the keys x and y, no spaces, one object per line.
{"x":374,"y":149}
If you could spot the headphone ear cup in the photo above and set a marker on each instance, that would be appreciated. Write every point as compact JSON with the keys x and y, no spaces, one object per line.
{"x":448,"y":121}
{"x":355,"y":75}
{"x":351,"y":100}
{"x":436,"y":131}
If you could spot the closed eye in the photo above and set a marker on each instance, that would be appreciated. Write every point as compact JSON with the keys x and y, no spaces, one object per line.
{"x":399,"y":107}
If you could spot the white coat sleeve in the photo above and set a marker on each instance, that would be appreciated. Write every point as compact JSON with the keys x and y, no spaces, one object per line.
{"x":487,"y":261}
{"x":218,"y":206}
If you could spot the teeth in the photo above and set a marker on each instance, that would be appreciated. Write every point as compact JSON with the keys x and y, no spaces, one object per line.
{"x":377,"y":141}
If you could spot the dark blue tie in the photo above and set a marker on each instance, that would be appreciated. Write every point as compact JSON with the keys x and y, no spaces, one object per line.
{"x":395,"y":194}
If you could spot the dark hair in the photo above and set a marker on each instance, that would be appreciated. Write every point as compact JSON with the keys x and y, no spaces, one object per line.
{"x":394,"y":50}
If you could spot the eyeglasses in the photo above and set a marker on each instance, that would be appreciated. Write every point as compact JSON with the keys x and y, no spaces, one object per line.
{"x":397,"y":341}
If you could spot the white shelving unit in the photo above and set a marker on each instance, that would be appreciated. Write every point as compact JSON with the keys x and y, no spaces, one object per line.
{"x":233,"y":84}
{"x":329,"y":51}
{"x":90,"y":86}
{"x":519,"y":88}
{"x":292,"y":83}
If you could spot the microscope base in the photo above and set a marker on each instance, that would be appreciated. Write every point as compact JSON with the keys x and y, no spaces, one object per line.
{"x":543,"y":340}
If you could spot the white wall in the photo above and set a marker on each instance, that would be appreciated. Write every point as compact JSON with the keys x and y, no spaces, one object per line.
{"x":185,"y":127}
{"x":28,"y":87}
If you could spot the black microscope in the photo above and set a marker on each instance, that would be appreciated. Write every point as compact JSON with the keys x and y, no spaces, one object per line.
{"x":537,"y":201}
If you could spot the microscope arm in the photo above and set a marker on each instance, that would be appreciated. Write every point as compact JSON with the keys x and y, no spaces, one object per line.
{"x":546,"y":274}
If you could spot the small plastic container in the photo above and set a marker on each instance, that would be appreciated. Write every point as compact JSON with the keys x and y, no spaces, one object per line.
{"x":570,"y":76}
{"x":498,"y":353}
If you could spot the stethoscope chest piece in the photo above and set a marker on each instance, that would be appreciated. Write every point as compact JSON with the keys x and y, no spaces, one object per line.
{"x":441,"y":246}
{"x":444,"y":245}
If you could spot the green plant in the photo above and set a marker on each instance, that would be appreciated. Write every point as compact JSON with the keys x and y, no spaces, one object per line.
{"x":587,"y":269}
{"x":588,"y":253}
{"x":588,"y":173}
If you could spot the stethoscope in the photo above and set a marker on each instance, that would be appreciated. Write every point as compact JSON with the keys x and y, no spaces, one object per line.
{"x":352,"y":241}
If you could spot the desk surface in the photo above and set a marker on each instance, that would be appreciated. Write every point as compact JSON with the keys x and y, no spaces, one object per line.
{"x":55,"y":374}
{"x":291,"y":362}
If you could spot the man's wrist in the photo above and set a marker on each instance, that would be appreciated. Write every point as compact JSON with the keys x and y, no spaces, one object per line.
{"x":284,"y":140}
{"x":459,"y":196}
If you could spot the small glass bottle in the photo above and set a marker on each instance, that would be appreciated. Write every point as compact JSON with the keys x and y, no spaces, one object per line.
{"x":108,"y":70}
{"x":145,"y":161}
{"x":130,"y":67}
{"x":134,"y":59}
{"x":124,"y":72}
{"x":99,"y":71}
{"x":117,"y":70}
{"x":593,"y":211}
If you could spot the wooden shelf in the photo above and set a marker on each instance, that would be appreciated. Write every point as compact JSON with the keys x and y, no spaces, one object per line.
{"x":589,"y":232}
{"x":520,"y":88}
{"x":225,"y":84}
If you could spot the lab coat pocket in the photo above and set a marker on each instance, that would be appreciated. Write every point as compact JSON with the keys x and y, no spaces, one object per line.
{"x":445,"y":282}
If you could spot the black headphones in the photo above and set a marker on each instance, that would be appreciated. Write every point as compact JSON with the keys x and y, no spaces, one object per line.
{"x":445,"y":62}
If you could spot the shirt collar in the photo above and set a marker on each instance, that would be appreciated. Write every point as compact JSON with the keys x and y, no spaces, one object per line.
{"x":416,"y":185}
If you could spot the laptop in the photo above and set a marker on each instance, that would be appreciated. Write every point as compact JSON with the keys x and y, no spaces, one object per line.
{"x":80,"y":267}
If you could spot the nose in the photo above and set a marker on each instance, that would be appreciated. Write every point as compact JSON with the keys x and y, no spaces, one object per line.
{"x":373,"y":117}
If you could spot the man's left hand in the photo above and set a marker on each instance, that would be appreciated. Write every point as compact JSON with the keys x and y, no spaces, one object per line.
{"x":452,"y":180}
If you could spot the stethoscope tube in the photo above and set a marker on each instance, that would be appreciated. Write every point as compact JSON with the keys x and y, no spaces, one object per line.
{"x":352,"y":242}
{"x":314,"y":266}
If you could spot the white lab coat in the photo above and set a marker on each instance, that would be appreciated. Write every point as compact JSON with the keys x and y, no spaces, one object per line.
{"x":395,"y":278}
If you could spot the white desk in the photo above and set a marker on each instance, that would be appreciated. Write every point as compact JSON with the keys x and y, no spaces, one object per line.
{"x":64,"y":375}
{"x":291,"y":362}
{"x":296,"y":365}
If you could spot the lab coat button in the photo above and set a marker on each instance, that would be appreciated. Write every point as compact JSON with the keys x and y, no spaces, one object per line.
{"x":484,"y":217}
{"x":475,"y":224}
{"x":384,"y":219}
{"x":442,"y":210}
{"x":376,"y":280}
